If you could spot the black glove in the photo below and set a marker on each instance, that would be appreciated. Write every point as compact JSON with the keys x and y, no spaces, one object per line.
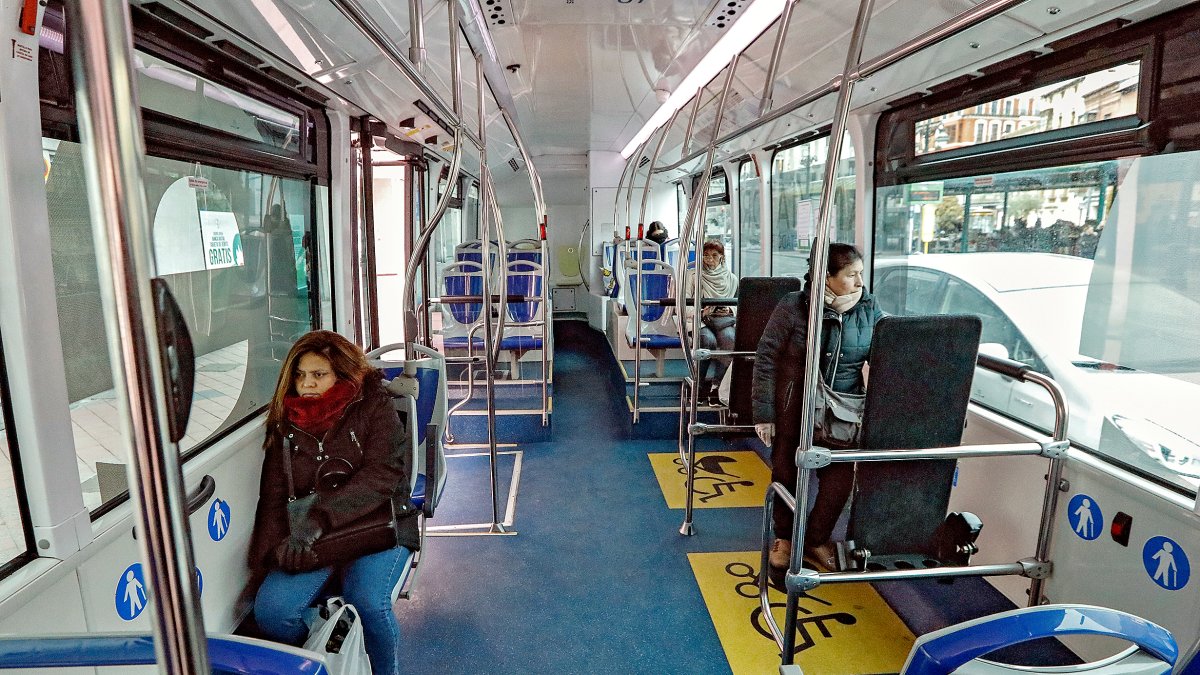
{"x":295,"y":553}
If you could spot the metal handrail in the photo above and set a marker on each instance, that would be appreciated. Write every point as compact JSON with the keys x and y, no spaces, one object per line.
{"x":110,"y":128}
{"x":700,"y":198}
{"x":972,"y":17}
{"x":1037,"y":568}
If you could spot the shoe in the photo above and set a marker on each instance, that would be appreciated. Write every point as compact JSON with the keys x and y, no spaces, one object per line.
{"x":781,"y":554}
{"x":824,"y":555}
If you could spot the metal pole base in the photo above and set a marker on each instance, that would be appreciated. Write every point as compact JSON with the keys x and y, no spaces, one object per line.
{"x":687,"y":529}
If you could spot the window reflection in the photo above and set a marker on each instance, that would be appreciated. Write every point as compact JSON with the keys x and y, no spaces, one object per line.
{"x":14,"y":540}
{"x":1082,"y":272}
{"x":235,"y":249}
{"x":1106,"y":94}
{"x":750,"y":221}
{"x":798,"y":173}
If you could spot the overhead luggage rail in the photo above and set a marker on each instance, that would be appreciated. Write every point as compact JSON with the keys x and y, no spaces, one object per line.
{"x":1037,"y":568}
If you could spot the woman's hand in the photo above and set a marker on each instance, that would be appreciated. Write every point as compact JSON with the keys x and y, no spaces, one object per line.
{"x":295,"y":553}
{"x":765,"y":431}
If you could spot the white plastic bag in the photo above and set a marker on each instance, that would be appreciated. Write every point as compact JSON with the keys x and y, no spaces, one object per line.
{"x":337,"y":635}
{"x":723,"y":387}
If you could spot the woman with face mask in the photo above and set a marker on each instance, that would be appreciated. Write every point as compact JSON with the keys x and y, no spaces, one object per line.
{"x":716,"y":323}
{"x":848,"y":321}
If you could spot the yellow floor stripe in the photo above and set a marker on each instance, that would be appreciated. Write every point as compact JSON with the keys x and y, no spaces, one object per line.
{"x":843,"y":629}
{"x":723,"y":479}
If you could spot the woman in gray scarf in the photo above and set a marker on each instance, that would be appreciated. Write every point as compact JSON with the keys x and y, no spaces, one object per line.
{"x":717,"y":323}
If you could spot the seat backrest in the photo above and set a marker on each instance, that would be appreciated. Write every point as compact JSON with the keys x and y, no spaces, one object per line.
{"x":921,"y":371}
{"x":419,"y":408}
{"x":960,"y":648}
{"x":463,"y":278}
{"x":525,"y":278}
{"x":655,"y":284}
{"x":757,"y":297}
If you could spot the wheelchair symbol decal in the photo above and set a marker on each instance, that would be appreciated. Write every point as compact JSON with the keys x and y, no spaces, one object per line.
{"x":711,"y":468}
{"x":1166,"y":563}
{"x":218,"y":520}
{"x":806,"y":623}
{"x":1085,"y":517}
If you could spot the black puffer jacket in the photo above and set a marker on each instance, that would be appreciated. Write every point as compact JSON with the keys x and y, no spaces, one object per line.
{"x":370,"y":436}
{"x":779,"y":360}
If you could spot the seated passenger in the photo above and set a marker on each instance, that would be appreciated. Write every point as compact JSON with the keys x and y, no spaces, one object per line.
{"x":849,"y":318}
{"x":716,"y":323}
{"x":657,"y":233}
{"x":331,"y":409}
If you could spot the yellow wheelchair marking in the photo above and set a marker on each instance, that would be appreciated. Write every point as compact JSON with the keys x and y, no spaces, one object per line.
{"x":842,"y":629}
{"x":723,"y":479}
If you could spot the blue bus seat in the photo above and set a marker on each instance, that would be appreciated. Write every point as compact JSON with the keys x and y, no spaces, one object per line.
{"x":462,"y":278}
{"x":523,"y":330}
{"x":418,"y":387}
{"x":227,"y":654}
{"x":529,"y":250}
{"x":959,"y":649}
{"x":658,"y":330}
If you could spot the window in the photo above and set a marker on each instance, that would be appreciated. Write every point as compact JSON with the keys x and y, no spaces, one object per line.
{"x":749,"y":221}
{"x":14,"y":519}
{"x":235,"y":249}
{"x":718,"y":217}
{"x":799,"y":172}
{"x":1083,"y":272}
{"x":1103,"y":94}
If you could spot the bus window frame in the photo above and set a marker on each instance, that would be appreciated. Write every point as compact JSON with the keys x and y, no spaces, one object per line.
{"x":899,"y":164}
{"x":14,"y":454}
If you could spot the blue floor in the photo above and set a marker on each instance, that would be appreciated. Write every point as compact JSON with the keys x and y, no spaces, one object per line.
{"x":597,"y":578}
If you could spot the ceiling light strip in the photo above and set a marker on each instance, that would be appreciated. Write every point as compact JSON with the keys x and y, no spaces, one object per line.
{"x":752,"y":23}
{"x":957,"y":24}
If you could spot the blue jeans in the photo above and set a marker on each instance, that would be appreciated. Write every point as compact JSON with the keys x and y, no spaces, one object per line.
{"x":716,"y":332}
{"x":367,"y":584}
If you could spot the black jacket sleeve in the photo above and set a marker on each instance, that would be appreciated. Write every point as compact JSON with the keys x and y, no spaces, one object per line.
{"x":270,"y":519}
{"x":387,"y":455}
{"x":784,"y":322}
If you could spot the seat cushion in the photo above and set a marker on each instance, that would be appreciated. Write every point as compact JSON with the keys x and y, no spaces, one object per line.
{"x":418,"y":495}
{"x":521,"y":342}
{"x":657,"y":341}
{"x":461,"y":342}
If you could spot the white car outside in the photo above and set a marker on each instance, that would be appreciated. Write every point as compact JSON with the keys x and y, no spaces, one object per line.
{"x":1032,"y":306}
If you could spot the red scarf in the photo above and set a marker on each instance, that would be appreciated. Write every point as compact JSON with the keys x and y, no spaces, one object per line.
{"x":317,"y":415}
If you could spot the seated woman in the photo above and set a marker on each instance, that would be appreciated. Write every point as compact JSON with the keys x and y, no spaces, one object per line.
{"x":716,"y":323}
{"x":330,"y":412}
{"x":657,"y":233}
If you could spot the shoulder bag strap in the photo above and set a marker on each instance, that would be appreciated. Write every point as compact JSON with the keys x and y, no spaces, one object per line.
{"x":287,"y":468}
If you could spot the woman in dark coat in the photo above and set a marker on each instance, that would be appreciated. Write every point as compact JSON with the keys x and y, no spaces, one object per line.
{"x":848,"y":323}
{"x":332,"y":415}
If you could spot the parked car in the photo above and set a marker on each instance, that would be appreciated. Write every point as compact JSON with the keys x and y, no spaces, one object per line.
{"x":1032,"y":307}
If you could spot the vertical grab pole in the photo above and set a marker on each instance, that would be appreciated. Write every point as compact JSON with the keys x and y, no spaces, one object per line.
{"x":416,"y":23}
{"x":1053,"y":480}
{"x":113,"y":151}
{"x":490,"y":341}
{"x":702,"y":196}
{"x":421,"y":247}
{"x":817,"y":270}
{"x":768,"y":98}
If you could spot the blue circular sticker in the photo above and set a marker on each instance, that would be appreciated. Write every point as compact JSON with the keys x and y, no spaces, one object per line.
{"x":1085,"y":517}
{"x":131,"y":593}
{"x":1166,"y":563}
{"x":218,"y":520}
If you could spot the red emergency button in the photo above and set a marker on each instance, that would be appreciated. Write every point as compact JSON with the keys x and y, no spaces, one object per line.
{"x":1122,"y":523}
